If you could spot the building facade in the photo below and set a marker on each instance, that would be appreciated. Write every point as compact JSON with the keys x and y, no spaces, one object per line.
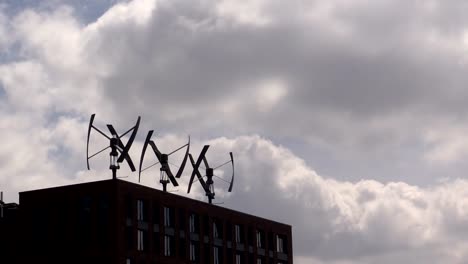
{"x":8,"y":229}
{"x":115,"y":221}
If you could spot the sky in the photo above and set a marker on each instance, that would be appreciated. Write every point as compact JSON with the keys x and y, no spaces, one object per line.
{"x":347,"y":118}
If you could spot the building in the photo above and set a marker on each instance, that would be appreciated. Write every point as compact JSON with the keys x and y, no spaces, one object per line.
{"x":8,"y":228}
{"x":115,"y":221}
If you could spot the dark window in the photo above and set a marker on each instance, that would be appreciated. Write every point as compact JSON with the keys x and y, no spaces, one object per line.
{"x":142,"y":240}
{"x":217,"y":255}
{"x":182,"y":248}
{"x":239,"y":233}
{"x":239,"y":258}
{"x":181,"y":218}
{"x":251,"y":258}
{"x":129,"y":237}
{"x":194,"y":252}
{"x":228,"y":231}
{"x":103,"y":222}
{"x":84,"y":222}
{"x":271,"y":244}
{"x":168,"y":216}
{"x":260,"y":238}
{"x":217,"y":228}
{"x":194,"y":225}
{"x":250,"y":238}
{"x":207,"y":255}
{"x":169,"y":246}
{"x":142,"y":214}
{"x":156,"y":243}
{"x":40,"y":228}
{"x":129,"y":206}
{"x":206,"y":225}
{"x":156,"y":213}
{"x":229,"y":256}
{"x":281,"y":244}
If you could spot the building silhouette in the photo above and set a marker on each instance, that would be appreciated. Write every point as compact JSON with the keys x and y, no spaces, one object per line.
{"x":115,"y":221}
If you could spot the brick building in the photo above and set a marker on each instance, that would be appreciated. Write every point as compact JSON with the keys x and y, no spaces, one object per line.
{"x":115,"y":221}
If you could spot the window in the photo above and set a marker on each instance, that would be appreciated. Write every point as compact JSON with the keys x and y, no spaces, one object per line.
{"x":238,"y":258}
{"x":140,"y":240}
{"x":128,"y":261}
{"x":129,"y":207}
{"x":238,"y":233}
{"x":155,"y":212}
{"x":129,"y":237}
{"x":218,"y":228}
{"x":194,"y":248}
{"x":259,"y":261}
{"x":168,"y":246}
{"x":228,"y":231}
{"x":140,"y":210}
{"x":182,"y":248}
{"x":215,"y":230}
{"x":192,"y":251}
{"x":192,"y":223}
{"x":167,"y":217}
{"x":250,"y":237}
{"x":103,"y":230}
{"x":259,"y":239}
{"x":181,"y":219}
{"x":229,"y":256}
{"x":279,"y":244}
{"x":206,"y":224}
{"x":216,"y":255}
{"x":156,"y":243}
{"x":271,"y":244}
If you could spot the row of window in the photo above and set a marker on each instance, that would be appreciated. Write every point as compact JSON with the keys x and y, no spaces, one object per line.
{"x":217,"y":227}
{"x":194,"y":254}
{"x":169,"y":246}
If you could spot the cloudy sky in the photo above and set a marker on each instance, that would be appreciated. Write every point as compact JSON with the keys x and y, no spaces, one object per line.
{"x":347,"y":118}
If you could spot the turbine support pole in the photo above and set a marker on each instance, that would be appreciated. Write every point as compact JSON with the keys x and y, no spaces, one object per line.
{"x":114,"y":166}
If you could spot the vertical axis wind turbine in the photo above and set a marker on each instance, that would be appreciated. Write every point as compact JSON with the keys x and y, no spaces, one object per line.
{"x":208,"y":185}
{"x":166,"y":174}
{"x":115,"y":144}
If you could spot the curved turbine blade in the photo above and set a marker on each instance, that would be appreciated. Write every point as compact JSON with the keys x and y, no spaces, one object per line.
{"x":205,"y":162}
{"x":182,"y":166}
{"x":121,"y":149}
{"x":171,"y":178}
{"x":156,"y":150}
{"x":148,"y":138}
{"x":91,"y":120}
{"x":232,"y":178}
{"x":193,"y":173}
{"x":129,"y":142}
{"x":112,"y":130}
{"x":128,"y":160}
{"x":196,"y":171}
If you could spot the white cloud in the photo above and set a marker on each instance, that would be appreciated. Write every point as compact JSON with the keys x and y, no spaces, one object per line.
{"x":269,"y":94}
{"x":336,"y":73}
{"x":327,"y":215}
{"x":250,"y":12}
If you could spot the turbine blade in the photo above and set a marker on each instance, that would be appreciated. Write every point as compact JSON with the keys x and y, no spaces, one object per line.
{"x":184,"y":161}
{"x":142,"y":157}
{"x":91,"y":120}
